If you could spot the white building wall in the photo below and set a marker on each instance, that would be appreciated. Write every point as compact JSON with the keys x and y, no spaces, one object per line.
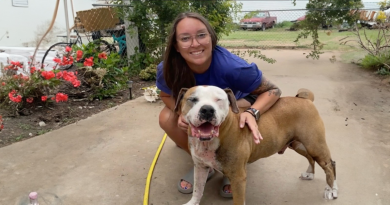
{"x":18,"y":25}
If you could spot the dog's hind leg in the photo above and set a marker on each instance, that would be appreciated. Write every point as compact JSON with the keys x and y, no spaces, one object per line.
{"x":329,"y":167}
{"x":301,"y":149}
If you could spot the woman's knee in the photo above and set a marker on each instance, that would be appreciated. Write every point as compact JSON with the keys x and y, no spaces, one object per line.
{"x":166,"y":118}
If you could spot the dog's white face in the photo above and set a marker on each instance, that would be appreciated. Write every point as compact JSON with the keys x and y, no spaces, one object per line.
{"x":205,"y":108}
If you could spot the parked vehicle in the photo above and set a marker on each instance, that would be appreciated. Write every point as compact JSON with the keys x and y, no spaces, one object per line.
{"x":262,"y":20}
{"x":302,"y":18}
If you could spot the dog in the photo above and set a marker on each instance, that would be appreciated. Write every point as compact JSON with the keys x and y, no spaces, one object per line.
{"x":216,"y":140}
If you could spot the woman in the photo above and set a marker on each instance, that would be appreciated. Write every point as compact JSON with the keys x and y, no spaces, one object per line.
{"x":192,"y":57}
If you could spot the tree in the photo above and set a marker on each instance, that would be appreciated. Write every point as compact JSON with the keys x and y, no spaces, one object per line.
{"x":153,"y":19}
{"x":325,"y":12}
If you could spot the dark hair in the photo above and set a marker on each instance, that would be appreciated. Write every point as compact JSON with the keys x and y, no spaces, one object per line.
{"x":177,"y":74}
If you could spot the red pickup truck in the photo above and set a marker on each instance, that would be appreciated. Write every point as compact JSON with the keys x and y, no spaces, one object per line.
{"x":260,"y":20}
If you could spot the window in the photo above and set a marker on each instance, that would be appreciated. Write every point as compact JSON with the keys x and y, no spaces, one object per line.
{"x":260,"y":15}
{"x":20,"y":3}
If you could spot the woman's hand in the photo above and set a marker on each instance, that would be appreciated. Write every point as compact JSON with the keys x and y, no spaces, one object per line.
{"x":247,"y":118}
{"x":182,"y":124}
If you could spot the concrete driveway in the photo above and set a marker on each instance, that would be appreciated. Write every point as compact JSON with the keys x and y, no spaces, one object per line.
{"x":105,"y":159}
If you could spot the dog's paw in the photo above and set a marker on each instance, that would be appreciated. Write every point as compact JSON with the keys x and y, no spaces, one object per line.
{"x":307,"y":176}
{"x":330,"y":193}
{"x":191,"y":202}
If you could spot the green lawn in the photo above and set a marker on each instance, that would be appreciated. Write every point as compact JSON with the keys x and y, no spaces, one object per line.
{"x":279,"y":37}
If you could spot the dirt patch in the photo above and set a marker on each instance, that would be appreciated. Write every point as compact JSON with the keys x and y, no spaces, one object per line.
{"x":56,"y":116}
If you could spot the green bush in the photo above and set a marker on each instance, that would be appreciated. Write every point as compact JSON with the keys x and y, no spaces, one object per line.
{"x":375,"y":62}
{"x":139,"y":61}
{"x":295,"y":26}
{"x":383,"y":71}
{"x":107,"y":75}
{"x":284,"y":24}
{"x":149,"y":73}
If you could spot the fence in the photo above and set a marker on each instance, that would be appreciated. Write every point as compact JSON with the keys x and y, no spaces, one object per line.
{"x":281,"y":29}
{"x":103,"y":23}
{"x":282,"y":32}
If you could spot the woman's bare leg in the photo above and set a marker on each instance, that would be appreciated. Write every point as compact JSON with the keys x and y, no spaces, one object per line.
{"x":168,"y":122}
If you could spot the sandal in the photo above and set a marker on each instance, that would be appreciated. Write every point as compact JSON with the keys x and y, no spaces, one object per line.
{"x":189,"y":177}
{"x":225,"y":181}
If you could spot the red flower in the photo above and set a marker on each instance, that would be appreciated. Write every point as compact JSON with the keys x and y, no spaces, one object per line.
{"x":102,"y":55}
{"x":57,"y":60}
{"x":24,"y":78}
{"x":30,"y":100}
{"x":17,"y":63}
{"x":32,"y":70}
{"x":3,"y":83}
{"x":59,"y":75}
{"x":88,"y":61}
{"x":14,"y":97}
{"x":79,"y":55}
{"x":70,"y":60}
{"x":61,"y":97}
{"x":76,"y":83}
{"x":70,"y":77}
{"x":67,"y":61}
{"x":48,"y":74}
{"x":68,"y":49}
{"x":44,"y":98}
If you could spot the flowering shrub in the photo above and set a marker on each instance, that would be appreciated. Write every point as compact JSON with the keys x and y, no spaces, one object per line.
{"x":105,"y":73}
{"x":101,"y":73}
{"x":18,"y":91}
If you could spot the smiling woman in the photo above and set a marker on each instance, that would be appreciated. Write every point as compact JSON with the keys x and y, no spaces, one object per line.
{"x":193,"y":58}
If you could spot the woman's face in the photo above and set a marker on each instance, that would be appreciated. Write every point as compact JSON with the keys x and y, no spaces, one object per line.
{"x":194,"y":44}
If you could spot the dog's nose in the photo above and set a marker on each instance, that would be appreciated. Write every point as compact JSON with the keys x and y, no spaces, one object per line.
{"x":206,"y":112}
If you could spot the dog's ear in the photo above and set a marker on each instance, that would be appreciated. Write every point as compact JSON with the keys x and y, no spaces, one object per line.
{"x":232,"y":100}
{"x":179,"y":98}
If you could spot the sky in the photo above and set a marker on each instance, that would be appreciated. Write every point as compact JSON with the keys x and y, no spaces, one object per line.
{"x":284,"y":10}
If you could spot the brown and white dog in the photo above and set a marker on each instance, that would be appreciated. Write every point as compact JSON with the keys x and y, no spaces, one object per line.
{"x":216,"y":141}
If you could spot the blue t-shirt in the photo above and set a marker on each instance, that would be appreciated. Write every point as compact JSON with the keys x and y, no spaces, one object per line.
{"x":226,"y":71}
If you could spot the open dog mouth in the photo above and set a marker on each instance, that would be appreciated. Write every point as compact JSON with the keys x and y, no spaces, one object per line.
{"x":205,"y":131}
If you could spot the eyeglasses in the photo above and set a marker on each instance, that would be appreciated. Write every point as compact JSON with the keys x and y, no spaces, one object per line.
{"x":187,"y":40}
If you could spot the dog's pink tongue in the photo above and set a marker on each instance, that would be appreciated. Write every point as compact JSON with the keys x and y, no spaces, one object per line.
{"x":205,"y":130}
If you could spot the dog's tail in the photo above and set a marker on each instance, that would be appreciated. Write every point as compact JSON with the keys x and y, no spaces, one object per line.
{"x":306,"y":94}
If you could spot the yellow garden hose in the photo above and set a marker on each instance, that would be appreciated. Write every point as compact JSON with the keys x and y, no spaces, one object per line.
{"x":151,"y":169}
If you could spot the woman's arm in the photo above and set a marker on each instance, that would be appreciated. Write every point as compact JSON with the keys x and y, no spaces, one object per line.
{"x":268,"y":93}
{"x":168,"y":100}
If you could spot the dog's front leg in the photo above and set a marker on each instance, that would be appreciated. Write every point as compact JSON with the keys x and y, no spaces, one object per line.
{"x":200,"y":178}
{"x":238,"y":185}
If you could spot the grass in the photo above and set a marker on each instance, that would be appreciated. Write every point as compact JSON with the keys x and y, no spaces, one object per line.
{"x":279,"y":37}
{"x":24,"y":126}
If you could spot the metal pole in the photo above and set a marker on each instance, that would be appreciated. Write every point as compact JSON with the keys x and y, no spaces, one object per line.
{"x":131,"y":39}
{"x":67,"y":20}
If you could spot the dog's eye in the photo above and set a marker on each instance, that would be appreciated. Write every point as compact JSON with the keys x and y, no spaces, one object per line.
{"x":218,"y":100}
{"x":193,"y":99}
